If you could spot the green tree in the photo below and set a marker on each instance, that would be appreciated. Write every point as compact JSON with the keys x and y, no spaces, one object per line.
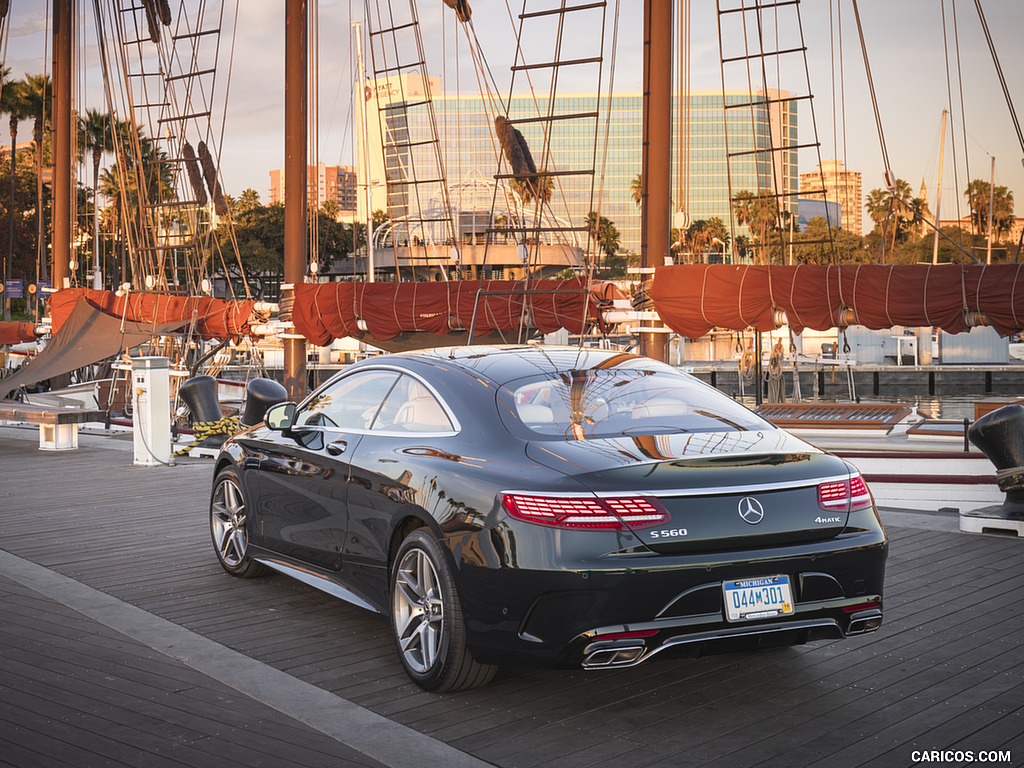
{"x":331,"y":209}
{"x":977,"y":194}
{"x":98,"y":139}
{"x":636,"y":189}
{"x":921,"y":213}
{"x":249,"y":199}
{"x":760,"y":212}
{"x":744,"y":246}
{"x":877,"y":204}
{"x":892,"y":210}
{"x":604,"y":234}
{"x":141,"y":177}
{"x":259,"y":233}
{"x":705,"y":235}
{"x":37,"y":91}
{"x":12,"y":103}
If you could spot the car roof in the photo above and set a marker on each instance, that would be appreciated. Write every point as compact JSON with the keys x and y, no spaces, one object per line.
{"x":502,"y":364}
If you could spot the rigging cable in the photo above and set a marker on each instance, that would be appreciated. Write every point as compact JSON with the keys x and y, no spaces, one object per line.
{"x":890,"y":181}
{"x":999,"y":72}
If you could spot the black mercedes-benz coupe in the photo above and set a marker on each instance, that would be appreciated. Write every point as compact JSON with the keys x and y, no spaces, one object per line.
{"x":550,"y":507}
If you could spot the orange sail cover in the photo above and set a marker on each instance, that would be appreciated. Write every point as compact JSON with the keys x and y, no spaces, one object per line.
{"x":694,"y":298}
{"x":327,"y":311}
{"x":16,"y":333}
{"x":202,"y":315}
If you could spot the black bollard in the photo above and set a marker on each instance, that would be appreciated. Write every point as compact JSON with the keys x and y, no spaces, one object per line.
{"x":200,"y":395}
{"x":260,"y":394}
{"x":1000,"y":436}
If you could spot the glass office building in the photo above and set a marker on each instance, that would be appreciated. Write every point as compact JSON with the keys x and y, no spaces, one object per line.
{"x":589,"y":138}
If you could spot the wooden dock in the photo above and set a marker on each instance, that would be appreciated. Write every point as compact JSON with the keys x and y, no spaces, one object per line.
{"x":123,"y":643}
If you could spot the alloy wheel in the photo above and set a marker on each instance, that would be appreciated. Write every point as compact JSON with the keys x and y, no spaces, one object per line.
{"x":418,"y":605}
{"x":227,"y":522}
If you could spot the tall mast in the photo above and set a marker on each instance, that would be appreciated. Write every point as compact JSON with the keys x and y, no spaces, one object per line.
{"x":63,"y":53}
{"x":363,"y":164}
{"x":991,"y":201}
{"x":657,"y":156}
{"x":938,"y":192}
{"x":296,"y":57}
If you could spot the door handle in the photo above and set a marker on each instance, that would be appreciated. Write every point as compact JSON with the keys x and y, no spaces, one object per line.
{"x":337,"y":447}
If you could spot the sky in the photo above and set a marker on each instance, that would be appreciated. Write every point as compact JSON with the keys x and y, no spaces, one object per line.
{"x":904,"y":40}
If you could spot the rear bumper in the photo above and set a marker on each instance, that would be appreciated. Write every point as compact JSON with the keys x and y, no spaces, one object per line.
{"x":670,"y":642}
{"x":640,"y":608}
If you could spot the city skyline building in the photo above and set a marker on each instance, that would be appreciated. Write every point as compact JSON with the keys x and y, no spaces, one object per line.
{"x":760,"y":132}
{"x":841,"y":186}
{"x":324,"y":183}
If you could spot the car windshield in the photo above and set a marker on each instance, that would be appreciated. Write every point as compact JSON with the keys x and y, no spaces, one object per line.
{"x":580,"y":405}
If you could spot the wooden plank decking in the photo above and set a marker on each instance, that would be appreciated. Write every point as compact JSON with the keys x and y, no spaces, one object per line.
{"x":946,"y":671}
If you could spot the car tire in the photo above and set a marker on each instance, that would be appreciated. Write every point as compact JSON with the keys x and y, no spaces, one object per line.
{"x":427,"y":619}
{"x":229,"y":526}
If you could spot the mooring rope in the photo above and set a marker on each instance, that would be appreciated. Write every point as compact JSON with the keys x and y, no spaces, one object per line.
{"x":206,"y":429}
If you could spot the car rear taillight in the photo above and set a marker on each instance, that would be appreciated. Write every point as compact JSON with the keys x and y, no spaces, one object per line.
{"x":844,"y":495}
{"x":586,"y":512}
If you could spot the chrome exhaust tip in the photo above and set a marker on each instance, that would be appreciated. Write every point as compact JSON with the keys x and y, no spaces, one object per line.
{"x":613,"y":656}
{"x":867,"y":621}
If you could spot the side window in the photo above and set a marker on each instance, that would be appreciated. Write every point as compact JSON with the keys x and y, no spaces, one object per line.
{"x":411,"y":407}
{"x":352,"y":403}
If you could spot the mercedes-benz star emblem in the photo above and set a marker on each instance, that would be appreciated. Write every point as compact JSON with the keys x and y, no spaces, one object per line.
{"x":751,"y":510}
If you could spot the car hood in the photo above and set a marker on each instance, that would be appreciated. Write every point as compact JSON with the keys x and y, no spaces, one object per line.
{"x":706,"y":480}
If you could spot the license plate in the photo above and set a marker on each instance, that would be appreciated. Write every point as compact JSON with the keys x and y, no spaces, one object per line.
{"x":758,"y":598}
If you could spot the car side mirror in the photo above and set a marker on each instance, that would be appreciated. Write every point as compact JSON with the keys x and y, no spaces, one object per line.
{"x":280,"y":417}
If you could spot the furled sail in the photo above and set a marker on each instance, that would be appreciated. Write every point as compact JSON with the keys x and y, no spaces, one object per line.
{"x":16,"y":333}
{"x":694,"y":298}
{"x":327,"y":311}
{"x":204,"y":316}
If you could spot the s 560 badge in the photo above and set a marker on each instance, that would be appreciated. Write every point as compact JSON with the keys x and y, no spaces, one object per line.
{"x":668,"y":533}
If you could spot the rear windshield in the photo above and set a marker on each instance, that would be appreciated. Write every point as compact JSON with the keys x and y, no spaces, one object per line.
{"x":580,"y":405}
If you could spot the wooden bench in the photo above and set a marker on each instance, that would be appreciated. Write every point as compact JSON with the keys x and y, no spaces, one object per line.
{"x":58,"y":427}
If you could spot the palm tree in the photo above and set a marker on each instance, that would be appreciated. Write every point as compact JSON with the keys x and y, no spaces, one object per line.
{"x":977,"y":194}
{"x":604,"y":233}
{"x":98,"y":138}
{"x":249,"y":199}
{"x":877,"y":204}
{"x":697,"y":237}
{"x":636,"y":189}
{"x":882,"y":203}
{"x":904,"y":196}
{"x":140,"y":175}
{"x":760,"y":212}
{"x":921,"y":213}
{"x":38,"y":91}
{"x":12,"y":102}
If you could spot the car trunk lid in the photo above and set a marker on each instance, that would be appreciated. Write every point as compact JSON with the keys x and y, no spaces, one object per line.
{"x":727,"y":501}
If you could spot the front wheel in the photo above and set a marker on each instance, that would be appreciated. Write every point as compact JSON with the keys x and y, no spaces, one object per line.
{"x":427,"y":619}
{"x":229,"y":526}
